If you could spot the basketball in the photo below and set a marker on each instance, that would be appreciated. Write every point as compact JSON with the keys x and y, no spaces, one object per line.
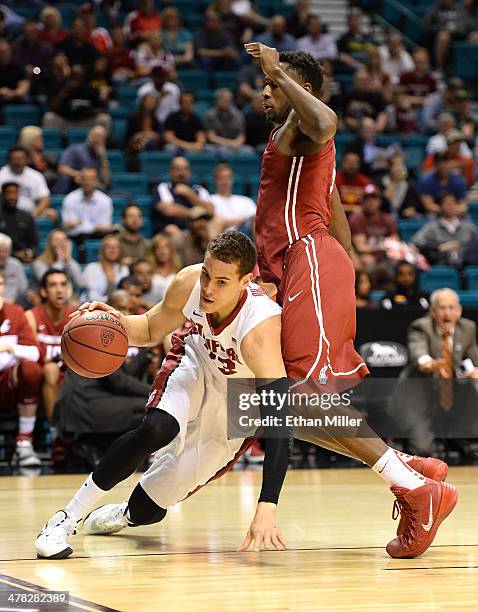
{"x":94,"y":344}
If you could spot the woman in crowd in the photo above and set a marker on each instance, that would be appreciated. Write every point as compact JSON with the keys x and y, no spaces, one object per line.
{"x":101,"y":277}
{"x":401,"y":197}
{"x":363,"y":290}
{"x":378,"y":80}
{"x":31,"y":138}
{"x":176,"y":39}
{"x":51,"y":22}
{"x":405,"y":292}
{"x":58,"y":255}
{"x":143,"y":127}
{"x":165,"y":263}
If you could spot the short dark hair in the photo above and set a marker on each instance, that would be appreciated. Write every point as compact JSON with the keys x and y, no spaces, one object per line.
{"x":8,"y":184}
{"x":15,"y":149}
{"x":444,"y":196}
{"x":48,"y":273}
{"x":131,"y":205}
{"x":234,"y":247}
{"x":136,"y":263}
{"x":306,"y":66}
{"x":128,"y":280}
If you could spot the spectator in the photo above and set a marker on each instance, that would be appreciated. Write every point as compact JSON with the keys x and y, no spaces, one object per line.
{"x":297,"y":20}
{"x":57,"y":256}
{"x":373,"y":158}
{"x":438,"y":103}
{"x":315,"y":42}
{"x":231,"y":23}
{"x":394,"y":58}
{"x":31,"y":139}
{"x":351,"y":182}
{"x":121,"y":58}
{"x":214,"y":46}
{"x":139,"y":24}
{"x":402,"y":115}
{"x":51,"y":31}
{"x":18,"y":224}
{"x":51,"y":79}
{"x":257,"y":126}
{"x":77,"y":104}
{"x":34,"y":193}
{"x":434,"y":185}
{"x":98,"y":38}
{"x":443,"y":240}
{"x":143,"y":131}
{"x":419,"y":83}
{"x":276,"y":35}
{"x":151,"y":54}
{"x":29,"y":50}
{"x":142,"y":270}
{"x":331,"y":89}
{"x":369,"y":229}
{"x":75,"y":46}
{"x":226,"y":126}
{"x":166,"y":91}
{"x":133,"y":244}
{"x":378,"y":79}
{"x":165,"y":264}
{"x":457,"y":162}
{"x":250,"y":82}
{"x":361,"y":102}
{"x":89,"y":154}
{"x":14,"y":85}
{"x":191,"y":243}
{"x":466,"y":119}
{"x":177,"y":39}
{"x":245,"y":13}
{"x":230,"y":210}
{"x":363,"y":290}
{"x":184,"y":130}
{"x":101,"y":277}
{"x":133,"y":287}
{"x":443,"y":23}
{"x":20,"y":376}
{"x":438,"y":143}
{"x":354,"y":43}
{"x":400,"y":192}
{"x":178,"y":196}
{"x":405,"y":293}
{"x":16,"y":283}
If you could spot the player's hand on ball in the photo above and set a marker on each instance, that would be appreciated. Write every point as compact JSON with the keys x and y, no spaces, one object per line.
{"x":89,"y":306}
{"x":264,"y":531}
{"x":268,"y":55}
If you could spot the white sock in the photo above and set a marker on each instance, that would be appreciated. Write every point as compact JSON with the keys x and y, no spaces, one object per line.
{"x":26,"y":425}
{"x":403,"y":456}
{"x":397,"y":473}
{"x":53,"y":432}
{"x":87,"y":496}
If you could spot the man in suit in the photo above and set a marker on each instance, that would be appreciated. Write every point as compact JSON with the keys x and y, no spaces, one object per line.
{"x":442,"y":346}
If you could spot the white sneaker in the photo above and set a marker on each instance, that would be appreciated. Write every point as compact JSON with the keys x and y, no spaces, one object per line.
{"x":106,"y":519}
{"x":52,"y":541}
{"x":25,"y":454}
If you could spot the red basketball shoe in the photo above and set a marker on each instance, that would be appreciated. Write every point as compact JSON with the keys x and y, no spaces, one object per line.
{"x":422,"y":510}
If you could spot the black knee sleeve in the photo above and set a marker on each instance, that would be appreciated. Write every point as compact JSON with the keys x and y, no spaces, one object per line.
{"x":142,"y":510}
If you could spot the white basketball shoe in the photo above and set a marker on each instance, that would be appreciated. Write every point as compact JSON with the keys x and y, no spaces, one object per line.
{"x":107,"y":519}
{"x":52,"y":541}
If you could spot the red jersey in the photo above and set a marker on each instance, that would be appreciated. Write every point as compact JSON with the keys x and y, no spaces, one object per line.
{"x":15,"y":331}
{"x":418,"y":86}
{"x":351,"y":189}
{"x":49,"y":333}
{"x":293,"y":201}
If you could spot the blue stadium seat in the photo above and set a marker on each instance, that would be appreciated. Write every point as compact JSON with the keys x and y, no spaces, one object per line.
{"x":126,"y":95}
{"x":117,"y":161}
{"x":202,"y":163}
{"x":439,"y":277}
{"x":254,"y":181}
{"x":408,"y":227}
{"x":225,"y":78}
{"x":154,"y":163}
{"x":145,"y":202}
{"x":205,"y":95}
{"x":414,"y":157}
{"x":51,"y":139}
{"x":7,"y":136}
{"x":414,"y":140}
{"x":468,"y":298}
{"x":76,"y":135}
{"x":466,"y":59}
{"x":118,"y":132}
{"x":129,"y":182}
{"x":44,"y":227}
{"x":56,"y":201}
{"x":119,"y":112}
{"x":471,"y":275}
{"x":385,"y":140}
{"x":119,"y":202}
{"x":377,"y":295}
{"x":147,"y":229}
{"x":193,"y":79}
{"x":92,"y":250}
{"x":245,"y":164}
{"x":21,"y":114}
{"x":473,"y":211}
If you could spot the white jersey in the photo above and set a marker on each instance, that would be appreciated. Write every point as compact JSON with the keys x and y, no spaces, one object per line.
{"x":219,"y":348}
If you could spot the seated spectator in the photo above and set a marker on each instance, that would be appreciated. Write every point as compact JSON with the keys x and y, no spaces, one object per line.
{"x":400,"y":192}
{"x":378,"y":79}
{"x":363,"y":291}
{"x":214,"y":46}
{"x":177,"y":39}
{"x":394,"y":58}
{"x":133,"y":287}
{"x":165,"y":90}
{"x":370,"y":227}
{"x":18,"y":224}
{"x":51,"y":79}
{"x":178,"y":196}
{"x":443,"y":23}
{"x":465,"y":117}
{"x":230,"y":210}
{"x":250,"y":82}
{"x":438,"y":143}
{"x":76,"y":47}
{"x":315,"y":42}
{"x":143,"y":131}
{"x":191,"y":243}
{"x":363,"y":103}
{"x":133,"y":244}
{"x":151,"y":54}
{"x":98,"y":37}
{"x":225,"y":125}
{"x":47,"y":321}
{"x":139,"y":24}
{"x":51,"y":31}
{"x":434,"y":185}
{"x":184,"y":130}
{"x":354,"y":42}
{"x":14,"y":278}
{"x":101,"y":78}
{"x":88,"y":154}
{"x":76,"y":104}
{"x":258,"y":127}
{"x":457,"y":162}
{"x":102,"y":277}
{"x":276,"y":35}
{"x":20,"y":376}
{"x":373,"y":158}
{"x":14,"y":84}
{"x":405,"y":293}
{"x":444,"y":240}
{"x":34,"y":193}
{"x":419,"y":82}
{"x":29,"y":50}
{"x":438,"y":103}
{"x":123,"y":67}
{"x":247,"y":14}
{"x":31,"y":139}
{"x":402,"y":115}
{"x":331,"y":89}
{"x":297,"y":21}
{"x":351,"y":182}
{"x":142,"y":270}
{"x":57,"y":256}
{"x":231,"y":23}
{"x":165,"y":264}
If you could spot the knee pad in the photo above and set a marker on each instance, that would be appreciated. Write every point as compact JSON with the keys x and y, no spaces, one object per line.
{"x":158,"y":429}
{"x":142,"y":509}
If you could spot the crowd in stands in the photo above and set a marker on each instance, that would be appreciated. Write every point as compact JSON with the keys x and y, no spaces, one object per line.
{"x":142,"y":136}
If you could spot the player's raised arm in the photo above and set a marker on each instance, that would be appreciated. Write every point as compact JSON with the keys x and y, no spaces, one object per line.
{"x":316,"y":119}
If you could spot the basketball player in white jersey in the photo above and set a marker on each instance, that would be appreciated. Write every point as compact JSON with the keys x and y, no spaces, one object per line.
{"x":234,"y":333}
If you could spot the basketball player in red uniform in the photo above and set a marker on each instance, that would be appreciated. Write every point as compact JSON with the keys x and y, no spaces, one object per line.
{"x":47,"y":321}
{"x":302,"y":236}
{"x":20,"y":376}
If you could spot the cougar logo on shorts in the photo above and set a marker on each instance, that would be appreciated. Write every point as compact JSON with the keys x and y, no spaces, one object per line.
{"x":323,"y":375}
{"x":107,"y":337}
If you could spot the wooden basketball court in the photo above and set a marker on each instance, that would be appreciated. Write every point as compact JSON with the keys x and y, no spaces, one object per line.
{"x":337,"y":523}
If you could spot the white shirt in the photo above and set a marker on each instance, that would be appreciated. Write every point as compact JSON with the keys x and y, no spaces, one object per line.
{"x":233,"y":207}
{"x":32,"y":184}
{"x":323,"y":47}
{"x":438,"y":144}
{"x":97,"y":210}
{"x":168,"y":102}
{"x":160,"y":284}
{"x":96,"y":283}
{"x":394,"y":66}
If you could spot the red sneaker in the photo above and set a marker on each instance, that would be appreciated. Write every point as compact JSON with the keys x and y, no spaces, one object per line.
{"x":423,"y":510}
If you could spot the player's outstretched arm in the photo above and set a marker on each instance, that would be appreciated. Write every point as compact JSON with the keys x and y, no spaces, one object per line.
{"x":316,"y":119}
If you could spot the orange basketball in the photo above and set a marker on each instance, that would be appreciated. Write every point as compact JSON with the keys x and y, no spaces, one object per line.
{"x":94,"y":344}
